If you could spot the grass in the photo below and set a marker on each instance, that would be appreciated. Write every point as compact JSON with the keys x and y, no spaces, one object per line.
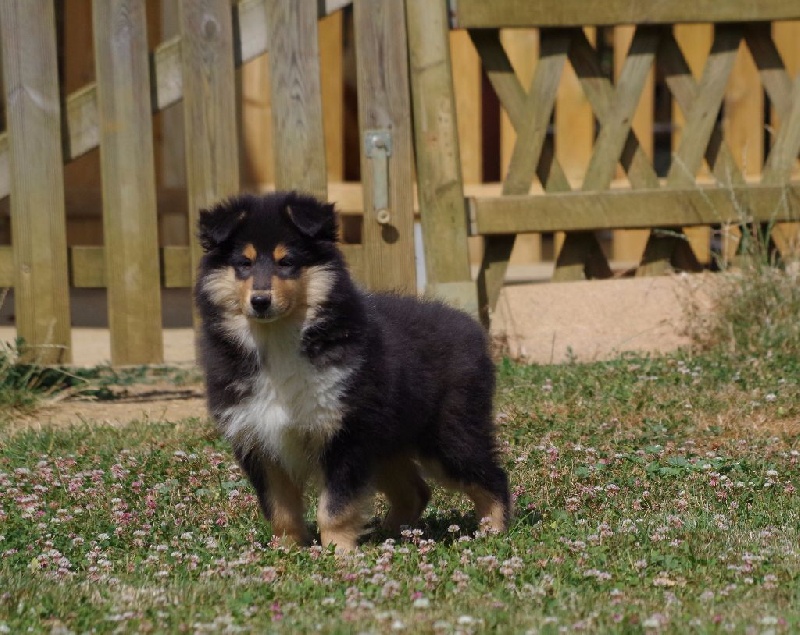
{"x":651,"y":495}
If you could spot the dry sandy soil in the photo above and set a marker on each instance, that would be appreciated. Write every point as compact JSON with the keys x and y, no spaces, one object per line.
{"x":540,"y":323}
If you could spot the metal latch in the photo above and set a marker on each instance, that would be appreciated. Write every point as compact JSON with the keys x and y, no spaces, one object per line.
{"x":378,"y":147}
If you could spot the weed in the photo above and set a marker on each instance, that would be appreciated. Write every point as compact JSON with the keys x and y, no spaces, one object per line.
{"x":23,"y":385}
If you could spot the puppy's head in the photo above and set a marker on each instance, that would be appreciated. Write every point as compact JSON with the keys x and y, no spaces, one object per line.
{"x":267,"y":257}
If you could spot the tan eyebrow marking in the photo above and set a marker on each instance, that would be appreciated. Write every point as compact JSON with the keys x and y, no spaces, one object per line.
{"x":249,"y":251}
{"x":280,"y":252}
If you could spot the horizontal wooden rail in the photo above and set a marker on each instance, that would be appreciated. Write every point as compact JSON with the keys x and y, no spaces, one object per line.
{"x":87,"y":266}
{"x":82,"y":127}
{"x":633,"y":209}
{"x":480,"y":14}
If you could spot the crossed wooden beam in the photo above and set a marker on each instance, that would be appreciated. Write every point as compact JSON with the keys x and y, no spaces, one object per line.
{"x":530,"y":114}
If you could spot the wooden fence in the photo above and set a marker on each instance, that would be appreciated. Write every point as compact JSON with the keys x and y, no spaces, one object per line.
{"x":47,"y":127}
{"x":581,"y":202}
{"x":713,"y":85}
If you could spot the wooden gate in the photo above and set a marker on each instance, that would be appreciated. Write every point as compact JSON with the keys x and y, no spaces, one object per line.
{"x":115,"y":113}
{"x":663,"y":205}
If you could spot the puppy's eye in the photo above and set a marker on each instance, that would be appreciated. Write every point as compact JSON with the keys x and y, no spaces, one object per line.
{"x":244,"y":265}
{"x":285,"y":262}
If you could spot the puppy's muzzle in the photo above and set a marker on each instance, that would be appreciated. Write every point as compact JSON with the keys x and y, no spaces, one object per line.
{"x":261,"y":303}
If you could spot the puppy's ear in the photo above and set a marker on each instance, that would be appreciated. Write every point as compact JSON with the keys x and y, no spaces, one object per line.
{"x":216,"y":225}
{"x":312,"y":218}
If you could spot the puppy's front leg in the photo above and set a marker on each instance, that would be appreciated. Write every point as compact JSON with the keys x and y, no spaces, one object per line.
{"x":281,"y":500}
{"x":345,"y":500}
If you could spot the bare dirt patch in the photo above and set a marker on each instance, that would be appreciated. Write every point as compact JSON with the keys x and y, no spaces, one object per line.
{"x":138,"y":402}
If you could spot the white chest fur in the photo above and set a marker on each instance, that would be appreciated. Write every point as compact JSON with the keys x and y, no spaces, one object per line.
{"x":294,"y":408}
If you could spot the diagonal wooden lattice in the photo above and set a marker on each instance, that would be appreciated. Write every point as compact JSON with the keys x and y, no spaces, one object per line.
{"x":664,"y":207}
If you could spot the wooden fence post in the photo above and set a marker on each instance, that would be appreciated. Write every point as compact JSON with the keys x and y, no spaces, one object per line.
{"x":384,"y":109}
{"x":441,"y":194}
{"x":128,"y":177}
{"x":209,"y":97}
{"x":41,"y":287}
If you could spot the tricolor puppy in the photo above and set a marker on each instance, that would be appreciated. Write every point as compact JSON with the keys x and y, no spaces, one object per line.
{"x":316,"y":382}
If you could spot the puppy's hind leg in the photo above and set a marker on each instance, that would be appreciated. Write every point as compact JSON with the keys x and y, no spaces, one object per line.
{"x":491,"y":498}
{"x":399,"y":479}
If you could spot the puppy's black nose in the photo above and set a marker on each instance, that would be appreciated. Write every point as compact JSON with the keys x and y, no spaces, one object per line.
{"x":260,"y":303}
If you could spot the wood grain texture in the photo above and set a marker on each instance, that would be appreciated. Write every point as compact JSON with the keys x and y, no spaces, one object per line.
{"x":468,"y":95}
{"x":522,"y":48}
{"x":524,"y":13}
{"x":601,"y":95}
{"x":628,"y":245}
{"x":82,"y":122}
{"x":695,"y":42}
{"x":468,"y":92}
{"x":787,"y":42}
{"x":531,"y":134}
{"x":574,"y":140}
{"x":699,"y":133}
{"x":209,"y":107}
{"x":679,"y":78}
{"x":332,"y":90}
{"x":438,"y":159}
{"x":770,"y":65}
{"x":128,"y":178}
{"x":256,"y":160}
{"x":508,"y":88}
{"x":298,"y":136}
{"x":617,"y":122}
{"x":36,"y":179}
{"x":743,"y":113}
{"x":782,"y":158}
{"x":613,"y":209}
{"x":383,"y":104}
{"x":702,"y":118}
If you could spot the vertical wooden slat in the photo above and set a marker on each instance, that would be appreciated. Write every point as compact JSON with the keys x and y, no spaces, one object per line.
{"x":298,"y":135}
{"x":695,"y":41}
{"x":615,"y":131}
{"x":743,"y":122}
{"x":526,"y":157}
{"x":467,"y":90}
{"x":212,"y":161}
{"x":383,"y":105}
{"x":522,"y":46}
{"x":574,"y":137}
{"x":441,"y":195}
{"x":128,"y":177}
{"x":574,"y":123}
{"x":41,"y":287}
{"x":332,"y":68}
{"x":257,"y":161}
{"x":628,"y":245}
{"x":787,"y":41}
{"x":467,"y":86}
